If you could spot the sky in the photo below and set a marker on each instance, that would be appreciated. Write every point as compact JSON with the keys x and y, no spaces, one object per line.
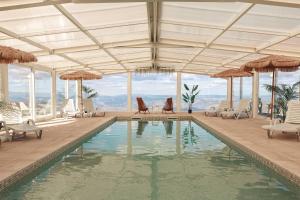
{"x":147,"y":84}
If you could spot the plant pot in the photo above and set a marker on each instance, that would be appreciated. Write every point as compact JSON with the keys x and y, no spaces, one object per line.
{"x":189,"y":111}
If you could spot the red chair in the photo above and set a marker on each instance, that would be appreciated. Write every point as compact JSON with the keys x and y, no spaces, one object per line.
{"x":141,"y":105}
{"x":168,"y":106}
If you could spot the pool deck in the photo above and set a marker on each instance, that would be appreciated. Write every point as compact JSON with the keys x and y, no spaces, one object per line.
{"x":19,"y":158}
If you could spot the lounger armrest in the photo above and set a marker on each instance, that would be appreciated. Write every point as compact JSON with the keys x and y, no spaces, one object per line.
{"x":3,"y":125}
{"x":30,"y":122}
{"x":212,"y":108}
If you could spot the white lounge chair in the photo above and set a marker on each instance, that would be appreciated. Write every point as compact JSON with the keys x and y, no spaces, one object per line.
{"x":215,"y":111}
{"x":89,"y":109}
{"x":12,"y":121}
{"x":241,"y":111}
{"x":291,"y":124}
{"x":68,"y":109}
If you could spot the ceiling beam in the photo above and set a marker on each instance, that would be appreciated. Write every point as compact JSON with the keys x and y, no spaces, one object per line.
{"x":286,"y":3}
{"x":263,"y":48}
{"x":87,"y":33}
{"x":33,"y":43}
{"x":228,"y":26}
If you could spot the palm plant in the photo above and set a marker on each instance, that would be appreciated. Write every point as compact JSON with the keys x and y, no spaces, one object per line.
{"x":190,"y":95}
{"x":284,"y":93}
{"x":89,"y":92}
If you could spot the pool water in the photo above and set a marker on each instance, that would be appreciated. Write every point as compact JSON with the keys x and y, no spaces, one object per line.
{"x":171,"y":160}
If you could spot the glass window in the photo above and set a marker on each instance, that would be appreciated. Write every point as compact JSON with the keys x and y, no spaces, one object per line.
{"x":212,"y":90}
{"x":60,"y":93}
{"x":247,"y":87}
{"x":236,"y":91}
{"x":112,"y":92}
{"x":72,"y":91}
{"x":154,"y":89}
{"x":42,"y":93}
{"x":18,"y":87}
{"x":264,"y":95}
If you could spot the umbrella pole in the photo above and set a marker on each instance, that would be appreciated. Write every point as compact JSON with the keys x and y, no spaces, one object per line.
{"x":273,"y":95}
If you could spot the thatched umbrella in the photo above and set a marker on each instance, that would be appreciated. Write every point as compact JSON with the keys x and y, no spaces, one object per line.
{"x":232,"y":73}
{"x":80,"y":75}
{"x":271,"y":64}
{"x":10,"y":55}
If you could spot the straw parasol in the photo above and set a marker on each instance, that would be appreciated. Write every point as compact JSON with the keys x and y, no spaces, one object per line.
{"x":80,"y":75}
{"x":10,"y":55}
{"x":232,"y":73}
{"x":271,"y":64}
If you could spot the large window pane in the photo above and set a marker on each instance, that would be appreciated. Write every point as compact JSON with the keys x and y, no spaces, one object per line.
{"x":247,"y":87}
{"x":154,"y":89}
{"x":72,"y":91}
{"x":212,"y":90}
{"x":236,"y":91}
{"x":264,"y":95}
{"x":42,"y":93}
{"x":60,"y":93}
{"x":112,"y":92}
{"x":18,"y":87}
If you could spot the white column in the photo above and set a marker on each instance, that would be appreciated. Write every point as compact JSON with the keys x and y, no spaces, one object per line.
{"x":241,"y":87}
{"x":32,"y":94}
{"x":66,"y":89}
{"x":178,"y":92}
{"x":4,"y":82}
{"x":229,"y":91}
{"x":78,"y":95}
{"x":53,"y":94}
{"x":255,"y":94}
{"x":129,"y":92}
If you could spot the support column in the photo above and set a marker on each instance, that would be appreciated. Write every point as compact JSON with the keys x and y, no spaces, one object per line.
{"x":229,"y":91}
{"x":241,"y":87}
{"x":178,"y":92}
{"x":53,"y":94}
{"x":4,"y":82}
{"x":255,"y":94}
{"x":78,"y":95}
{"x":66,"y":89}
{"x":32,"y":94}
{"x":129,"y":91}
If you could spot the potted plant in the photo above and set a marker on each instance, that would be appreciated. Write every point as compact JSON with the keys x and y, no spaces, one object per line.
{"x":89,"y":92}
{"x":284,"y":94}
{"x":190,"y":95}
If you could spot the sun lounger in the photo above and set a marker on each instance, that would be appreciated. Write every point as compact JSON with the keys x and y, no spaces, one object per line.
{"x":68,"y":109}
{"x":89,"y":109}
{"x":240,"y":112}
{"x":291,"y":124}
{"x":14,"y":125}
{"x":216,"y":111}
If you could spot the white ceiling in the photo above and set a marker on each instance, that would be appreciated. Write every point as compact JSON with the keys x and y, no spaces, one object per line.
{"x":199,"y":37}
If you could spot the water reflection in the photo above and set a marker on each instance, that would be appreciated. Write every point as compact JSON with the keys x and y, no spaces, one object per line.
{"x":168,"y":127}
{"x":189,"y":136}
{"x":156,"y":165}
{"x":141,"y":128}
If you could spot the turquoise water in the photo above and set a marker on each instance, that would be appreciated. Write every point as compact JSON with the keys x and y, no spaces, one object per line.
{"x":173,"y":160}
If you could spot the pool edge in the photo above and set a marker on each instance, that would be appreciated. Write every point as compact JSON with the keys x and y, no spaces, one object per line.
{"x":291,"y":177}
{"x":22,"y":173}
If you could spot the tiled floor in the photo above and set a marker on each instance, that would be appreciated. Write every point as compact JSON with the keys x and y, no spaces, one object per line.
{"x":283,"y":150}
